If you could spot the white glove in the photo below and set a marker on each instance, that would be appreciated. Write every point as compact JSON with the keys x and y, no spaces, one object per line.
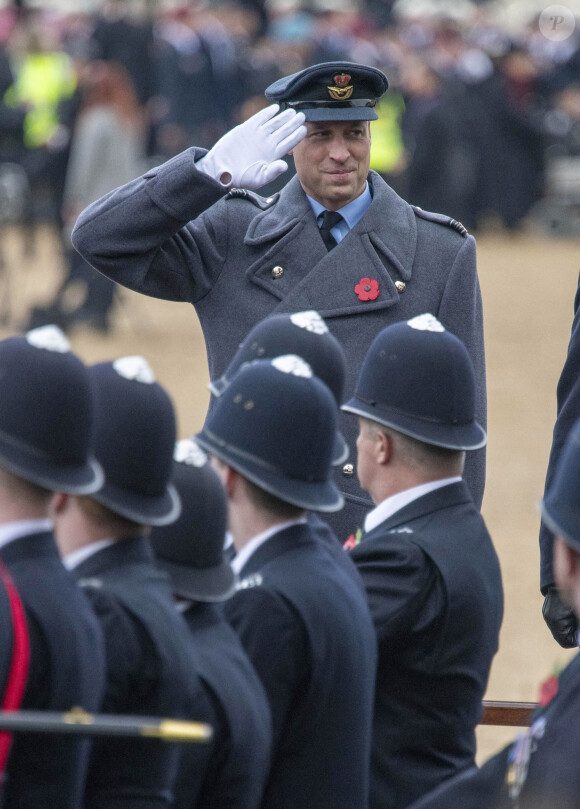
{"x":248,"y":156}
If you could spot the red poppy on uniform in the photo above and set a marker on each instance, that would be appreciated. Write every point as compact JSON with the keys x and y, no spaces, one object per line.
{"x":367,"y":289}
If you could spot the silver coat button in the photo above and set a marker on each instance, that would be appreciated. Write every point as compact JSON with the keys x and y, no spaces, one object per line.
{"x":277,"y":272}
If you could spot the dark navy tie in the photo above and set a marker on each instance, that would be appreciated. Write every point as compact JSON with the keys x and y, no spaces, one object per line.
{"x":329,"y":220}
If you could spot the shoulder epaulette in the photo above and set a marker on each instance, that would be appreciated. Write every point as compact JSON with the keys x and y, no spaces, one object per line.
{"x":244,"y":193}
{"x":441,"y":219}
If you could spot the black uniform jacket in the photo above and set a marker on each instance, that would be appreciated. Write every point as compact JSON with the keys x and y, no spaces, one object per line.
{"x":67,"y":670}
{"x":306,"y":628}
{"x":238,"y":760}
{"x":541,"y":765}
{"x":434,"y":589}
{"x":151,"y":671}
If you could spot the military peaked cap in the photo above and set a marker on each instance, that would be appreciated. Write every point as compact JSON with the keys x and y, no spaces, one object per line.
{"x":331,"y":91}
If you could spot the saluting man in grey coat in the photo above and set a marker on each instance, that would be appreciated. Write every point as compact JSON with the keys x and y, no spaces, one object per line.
{"x":194,"y":230}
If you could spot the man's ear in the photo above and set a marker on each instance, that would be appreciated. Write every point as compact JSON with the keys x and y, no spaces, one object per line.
{"x":58,"y":504}
{"x":231,"y":480}
{"x":383,"y":447}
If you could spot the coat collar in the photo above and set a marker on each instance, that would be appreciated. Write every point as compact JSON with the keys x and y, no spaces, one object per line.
{"x":277,"y":545}
{"x":121,"y":552}
{"x":31,"y":546}
{"x":447,"y":496}
{"x":315,"y":279}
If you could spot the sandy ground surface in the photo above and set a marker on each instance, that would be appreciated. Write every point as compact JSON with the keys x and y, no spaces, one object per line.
{"x":528,"y":284}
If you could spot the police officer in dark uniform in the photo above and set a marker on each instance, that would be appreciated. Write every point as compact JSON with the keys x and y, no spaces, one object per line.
{"x":428,"y":564}
{"x":540,"y":769}
{"x":302,"y":620}
{"x":151,"y":667}
{"x":46,"y":432}
{"x":194,"y":230}
{"x":237,"y":761}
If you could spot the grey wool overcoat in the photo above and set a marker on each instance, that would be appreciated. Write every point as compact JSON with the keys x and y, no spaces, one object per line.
{"x":237,"y":257}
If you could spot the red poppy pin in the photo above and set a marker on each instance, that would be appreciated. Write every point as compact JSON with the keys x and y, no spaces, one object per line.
{"x":353,"y":540}
{"x":549,"y":687}
{"x":367,"y":289}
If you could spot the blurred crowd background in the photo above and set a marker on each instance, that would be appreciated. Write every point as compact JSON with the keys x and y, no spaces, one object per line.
{"x":482,"y":120}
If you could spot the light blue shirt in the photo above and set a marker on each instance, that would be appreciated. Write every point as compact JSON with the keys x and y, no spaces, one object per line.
{"x":351,"y":213}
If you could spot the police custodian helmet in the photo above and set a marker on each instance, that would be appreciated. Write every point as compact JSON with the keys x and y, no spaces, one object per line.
{"x":47,"y":413}
{"x":275,"y":424}
{"x":331,"y":91}
{"x":418,"y":378}
{"x":191,"y":549}
{"x":134,"y":441}
{"x":302,"y":333}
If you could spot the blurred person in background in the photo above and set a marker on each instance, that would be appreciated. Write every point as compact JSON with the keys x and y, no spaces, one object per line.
{"x":107,"y":149}
{"x":43,"y":78}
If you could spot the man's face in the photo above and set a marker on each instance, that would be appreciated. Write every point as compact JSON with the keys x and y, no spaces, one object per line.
{"x":332,"y":161}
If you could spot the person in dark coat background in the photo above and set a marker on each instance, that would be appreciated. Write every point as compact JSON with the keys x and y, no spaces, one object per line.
{"x":194,"y":230}
{"x":237,"y":761}
{"x":46,"y":434}
{"x":559,"y":616}
{"x":302,"y":619}
{"x":540,"y":769}
{"x":430,"y":570}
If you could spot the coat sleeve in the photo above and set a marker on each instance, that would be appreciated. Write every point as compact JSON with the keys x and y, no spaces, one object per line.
{"x":151,"y":235}
{"x":404,"y":590}
{"x":461,"y":311}
{"x":568,"y":411}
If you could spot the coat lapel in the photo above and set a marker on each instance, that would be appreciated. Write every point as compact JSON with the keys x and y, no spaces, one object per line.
{"x":380,"y":247}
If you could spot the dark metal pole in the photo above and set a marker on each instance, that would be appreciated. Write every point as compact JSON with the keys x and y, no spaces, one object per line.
{"x":78,"y":721}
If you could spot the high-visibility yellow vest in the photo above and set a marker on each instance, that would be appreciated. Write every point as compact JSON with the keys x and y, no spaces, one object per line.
{"x":42,"y":81}
{"x":387,"y":140}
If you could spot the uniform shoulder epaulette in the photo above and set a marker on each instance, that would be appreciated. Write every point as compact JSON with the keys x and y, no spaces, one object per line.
{"x":441,"y":219}
{"x":244,"y":193}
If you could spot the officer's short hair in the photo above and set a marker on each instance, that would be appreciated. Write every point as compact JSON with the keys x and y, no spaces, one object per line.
{"x":264,"y":501}
{"x":101,"y":515}
{"x":419,"y":453}
{"x":26,"y":489}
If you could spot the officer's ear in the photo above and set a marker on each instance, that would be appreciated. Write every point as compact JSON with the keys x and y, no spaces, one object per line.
{"x":58,"y":503}
{"x":383,"y":447}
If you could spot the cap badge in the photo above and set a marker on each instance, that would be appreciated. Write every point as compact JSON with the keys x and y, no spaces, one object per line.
{"x":51,"y":338}
{"x":292,"y":364}
{"x":311,"y":321}
{"x":189,"y":453}
{"x":367,"y":289}
{"x":426,"y":322}
{"x":136,"y":369}
{"x":343,"y":90}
